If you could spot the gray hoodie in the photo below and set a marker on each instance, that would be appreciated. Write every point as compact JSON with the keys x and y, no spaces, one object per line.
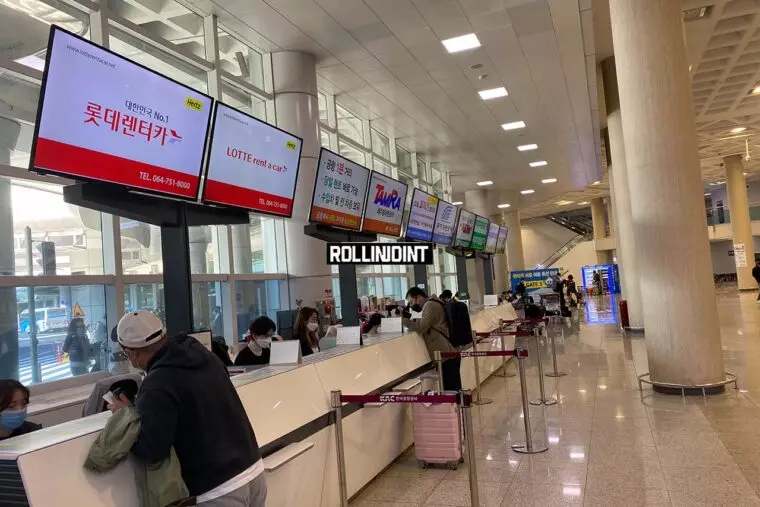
{"x":433,"y":327}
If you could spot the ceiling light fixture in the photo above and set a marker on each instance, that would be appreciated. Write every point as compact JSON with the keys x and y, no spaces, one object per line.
{"x":549,"y":180}
{"x":493,"y":93}
{"x":596,"y":183}
{"x":526,"y":192}
{"x":707,"y":194}
{"x":503,"y":206}
{"x":737,"y":130}
{"x":484,"y":183}
{"x":756,"y":90}
{"x":539,"y":163}
{"x":584,"y":203}
{"x":461,"y":43}
{"x":527,"y":147}
{"x":564,"y":203}
{"x":458,"y":203}
{"x":513,"y":125}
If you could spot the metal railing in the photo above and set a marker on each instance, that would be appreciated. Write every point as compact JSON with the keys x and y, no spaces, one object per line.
{"x":563,"y":250}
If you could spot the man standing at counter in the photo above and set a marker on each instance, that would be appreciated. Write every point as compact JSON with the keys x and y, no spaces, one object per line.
{"x":433,"y":327}
{"x":188,"y":402}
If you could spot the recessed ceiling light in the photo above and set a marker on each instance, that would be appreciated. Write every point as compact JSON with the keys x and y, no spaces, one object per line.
{"x":461,"y":43}
{"x":458,"y":203}
{"x":736,"y":130}
{"x":596,"y":182}
{"x":539,"y":163}
{"x":745,"y":173}
{"x":564,"y":203}
{"x":707,"y":194}
{"x":476,"y":66}
{"x":513,"y":125}
{"x":584,"y":203}
{"x":503,"y":206}
{"x":526,"y":192}
{"x":493,"y":93}
{"x":527,"y":147}
{"x":549,"y":180}
{"x":756,"y":90}
{"x":485,"y":183}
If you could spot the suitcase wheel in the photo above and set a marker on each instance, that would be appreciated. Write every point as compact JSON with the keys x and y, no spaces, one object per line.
{"x":461,"y":459}
{"x":423,"y":463}
{"x":453,"y":465}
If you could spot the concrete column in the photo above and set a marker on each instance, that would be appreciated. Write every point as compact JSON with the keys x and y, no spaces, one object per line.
{"x":665,"y":185}
{"x":199,"y":240}
{"x":741,"y":227}
{"x":476,"y":201}
{"x":500,"y":277}
{"x":297,"y":109}
{"x":630,"y":277}
{"x":515,"y":258}
{"x":610,"y":217}
{"x":598,"y":219}
{"x":9,"y":132}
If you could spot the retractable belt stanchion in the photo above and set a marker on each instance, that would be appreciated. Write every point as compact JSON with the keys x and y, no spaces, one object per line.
{"x":478,"y":399}
{"x":556,"y":372}
{"x":439,"y":368}
{"x":527,"y":447}
{"x":503,"y":373}
{"x":463,"y":400}
{"x":542,"y":400}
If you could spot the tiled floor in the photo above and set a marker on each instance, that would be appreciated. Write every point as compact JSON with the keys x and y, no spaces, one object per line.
{"x":609,"y":445}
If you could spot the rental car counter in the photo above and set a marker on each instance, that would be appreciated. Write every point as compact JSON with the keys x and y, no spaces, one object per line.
{"x":289,"y":408}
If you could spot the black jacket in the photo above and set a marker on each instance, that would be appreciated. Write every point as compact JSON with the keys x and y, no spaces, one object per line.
{"x":246,"y":357}
{"x":25,"y":428}
{"x":756,"y":273}
{"x":188,"y":402}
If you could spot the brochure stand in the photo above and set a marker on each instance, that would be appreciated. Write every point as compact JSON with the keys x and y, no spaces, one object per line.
{"x":349,"y":296}
{"x":174,"y":217}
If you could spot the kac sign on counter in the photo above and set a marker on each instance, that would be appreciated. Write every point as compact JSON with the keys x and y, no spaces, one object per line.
{"x":535,"y":280}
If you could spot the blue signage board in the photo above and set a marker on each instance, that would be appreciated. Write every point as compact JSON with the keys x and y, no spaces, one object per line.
{"x":610,"y":277}
{"x":535,"y":280}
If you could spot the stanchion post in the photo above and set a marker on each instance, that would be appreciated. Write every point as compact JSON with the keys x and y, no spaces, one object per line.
{"x":439,"y":367}
{"x":337,"y":406}
{"x":465,"y":401}
{"x":542,"y":389}
{"x":478,"y":399}
{"x":527,"y":447}
{"x":556,"y":372}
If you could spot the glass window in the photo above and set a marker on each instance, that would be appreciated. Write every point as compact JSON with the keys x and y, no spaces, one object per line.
{"x":254,"y":298}
{"x":421,"y":169}
{"x":404,"y":160}
{"x":240,"y":60}
{"x":381,"y":145}
{"x":352,"y":153}
{"x":207,"y":307}
{"x":436,"y":178}
{"x":158,"y":60}
{"x":382,"y":167}
{"x":324,"y":138}
{"x":322,"y":100}
{"x":244,"y":101}
{"x":409,"y":180}
{"x":66,"y":239}
{"x":53,"y":345}
{"x":260,"y":247}
{"x":204,"y":249}
{"x":17,"y":128}
{"x":140,"y":248}
{"x":395,"y":287}
{"x":349,"y":125}
{"x":145,"y":296}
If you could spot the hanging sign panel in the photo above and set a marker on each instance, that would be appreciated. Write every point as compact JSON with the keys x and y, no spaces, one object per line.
{"x":480,"y":233}
{"x":493,"y":237}
{"x":339,"y":190}
{"x":421,"y":220}
{"x":102,"y":117}
{"x":385,"y":205}
{"x":445,"y":223}
{"x":465,"y":227}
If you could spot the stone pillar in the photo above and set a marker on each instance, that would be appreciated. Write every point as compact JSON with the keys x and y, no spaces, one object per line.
{"x":598,"y":219}
{"x":515,"y":258}
{"x":9,"y":132}
{"x":624,"y":233}
{"x":476,"y":201}
{"x":500,"y":278}
{"x":741,"y":226}
{"x":610,"y":217}
{"x":297,"y":108}
{"x":665,"y":184}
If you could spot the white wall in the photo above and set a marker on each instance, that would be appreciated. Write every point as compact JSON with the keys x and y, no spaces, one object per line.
{"x":541,"y":238}
{"x":582,"y":254}
{"x":722,"y":262}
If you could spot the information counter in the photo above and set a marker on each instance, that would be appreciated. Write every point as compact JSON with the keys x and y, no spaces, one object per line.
{"x":289,"y":408}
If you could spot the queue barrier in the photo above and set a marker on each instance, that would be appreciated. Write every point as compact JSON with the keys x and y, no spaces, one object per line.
{"x":463,"y":400}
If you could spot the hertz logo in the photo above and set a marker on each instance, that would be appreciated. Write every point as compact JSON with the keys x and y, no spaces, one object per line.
{"x":195,"y":105}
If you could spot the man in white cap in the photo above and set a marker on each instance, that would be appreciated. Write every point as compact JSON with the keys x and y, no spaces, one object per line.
{"x":188,"y":402}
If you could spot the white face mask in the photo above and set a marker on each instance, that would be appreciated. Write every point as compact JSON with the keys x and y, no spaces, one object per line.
{"x":264,"y":341}
{"x":313,"y":326}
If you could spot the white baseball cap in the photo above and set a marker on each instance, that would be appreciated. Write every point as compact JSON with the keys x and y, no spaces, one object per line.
{"x":139,"y":329}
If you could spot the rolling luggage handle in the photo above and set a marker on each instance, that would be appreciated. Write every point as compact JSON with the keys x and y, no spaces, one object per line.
{"x":463,"y":400}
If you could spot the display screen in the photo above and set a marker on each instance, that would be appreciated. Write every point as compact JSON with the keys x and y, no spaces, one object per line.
{"x":385,"y":205}
{"x":465,"y":226}
{"x":102,"y":117}
{"x":251,"y":164}
{"x":479,"y":233}
{"x":493,"y":237}
{"x":339,"y":190}
{"x":445,"y":223}
{"x":422,"y":216}
{"x":501,"y":242}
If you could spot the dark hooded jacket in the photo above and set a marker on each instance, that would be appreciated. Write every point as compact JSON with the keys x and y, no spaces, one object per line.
{"x":188,"y":402}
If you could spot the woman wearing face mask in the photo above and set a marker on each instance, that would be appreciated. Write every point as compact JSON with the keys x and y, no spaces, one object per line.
{"x":305,"y":329}
{"x":14,"y":398}
{"x":372,"y":325}
{"x":258,"y":344}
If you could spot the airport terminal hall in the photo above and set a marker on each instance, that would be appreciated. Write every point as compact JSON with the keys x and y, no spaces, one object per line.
{"x":379,"y":253}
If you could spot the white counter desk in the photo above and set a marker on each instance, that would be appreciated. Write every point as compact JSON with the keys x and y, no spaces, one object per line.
{"x":289,"y":409}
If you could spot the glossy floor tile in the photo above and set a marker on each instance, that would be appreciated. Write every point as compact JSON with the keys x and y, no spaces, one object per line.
{"x":608,"y":443}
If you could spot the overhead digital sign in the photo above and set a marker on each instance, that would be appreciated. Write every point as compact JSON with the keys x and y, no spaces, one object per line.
{"x":385,"y":205}
{"x":465,"y":226}
{"x":479,"y":233}
{"x":339,"y":190}
{"x":493,"y":237}
{"x":445,"y":223}
{"x":422,"y":213}
{"x":501,"y":242}
{"x":105,"y":118}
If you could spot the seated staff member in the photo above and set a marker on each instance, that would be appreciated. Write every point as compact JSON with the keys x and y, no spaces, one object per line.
{"x":258,"y":343}
{"x":305,"y":330}
{"x":14,"y":398}
{"x":372,"y":325}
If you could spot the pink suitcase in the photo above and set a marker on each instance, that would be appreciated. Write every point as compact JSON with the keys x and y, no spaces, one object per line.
{"x":437,"y":434}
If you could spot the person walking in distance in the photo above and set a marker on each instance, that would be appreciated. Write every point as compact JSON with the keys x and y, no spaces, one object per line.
{"x":756,"y":276}
{"x":188,"y":403}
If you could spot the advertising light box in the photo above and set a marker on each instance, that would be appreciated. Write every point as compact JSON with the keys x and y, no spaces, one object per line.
{"x":339,"y":190}
{"x":465,"y":226}
{"x":105,"y":118}
{"x":493,"y":237}
{"x":422,"y":216}
{"x":445,"y":223}
{"x":479,"y":233}
{"x":501,"y":242}
{"x":385,"y":205}
{"x":251,"y":164}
